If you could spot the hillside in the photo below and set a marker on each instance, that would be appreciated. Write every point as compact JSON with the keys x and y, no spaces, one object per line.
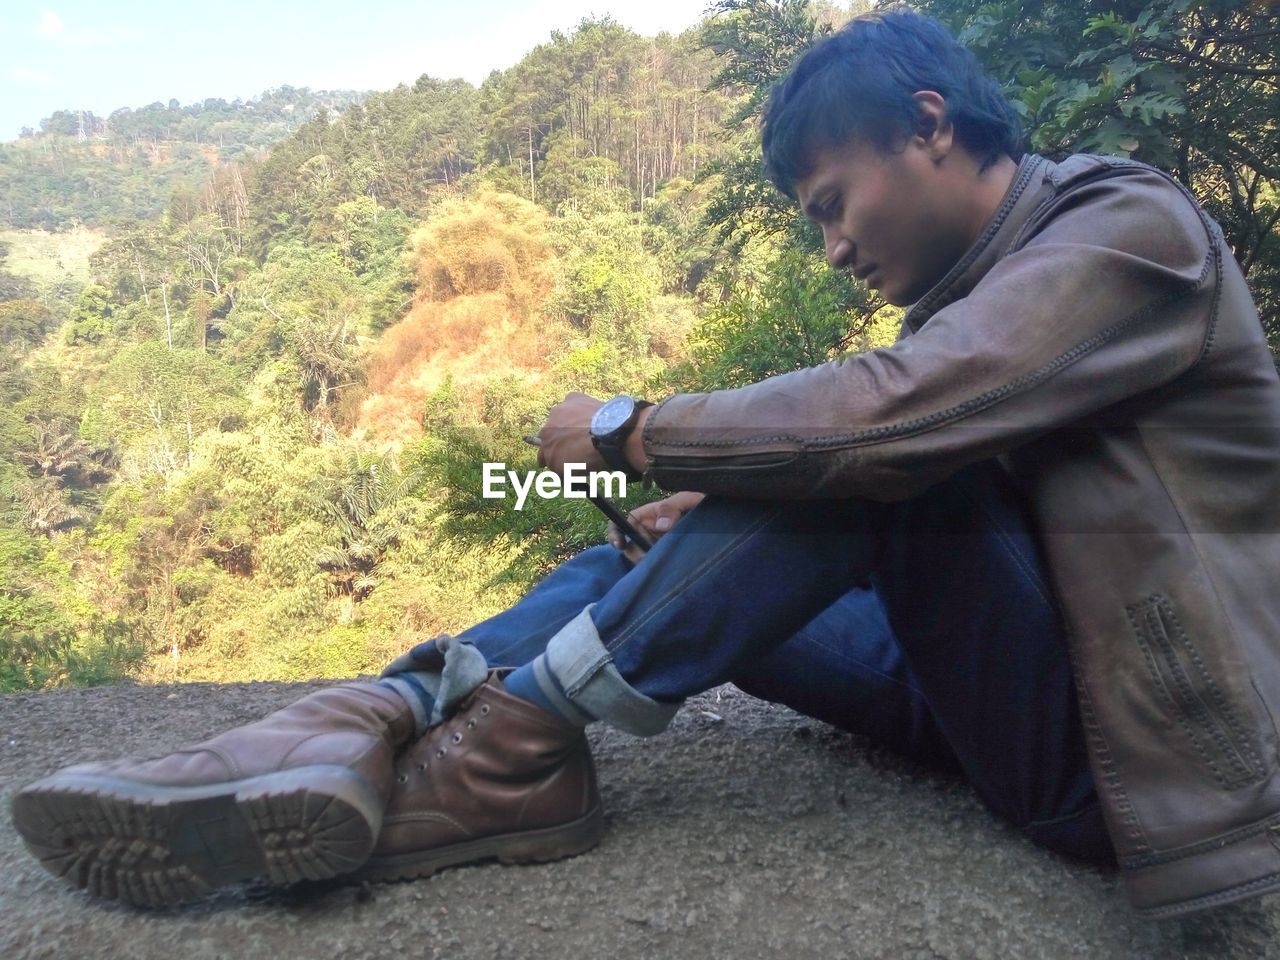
{"x":241,"y":423}
{"x":81,"y":169}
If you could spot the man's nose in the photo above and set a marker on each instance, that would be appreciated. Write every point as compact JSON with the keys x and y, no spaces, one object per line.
{"x":839,"y":249}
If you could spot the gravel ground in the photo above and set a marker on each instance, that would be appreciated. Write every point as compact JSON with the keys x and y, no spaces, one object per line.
{"x":743,"y":831}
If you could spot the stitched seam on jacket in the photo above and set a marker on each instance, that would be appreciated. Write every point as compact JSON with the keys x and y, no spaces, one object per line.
{"x":1195,"y":716}
{"x":1140,"y":634}
{"x":1144,"y":861}
{"x":1209,"y":900}
{"x":997,"y":222}
{"x":1195,"y":546}
{"x":1212,"y":232}
{"x":1212,"y":899}
{"x":969,"y":407}
{"x":1036,"y":216}
{"x":1102,"y":755}
{"x":1217,"y":697}
{"x":1214,"y":235}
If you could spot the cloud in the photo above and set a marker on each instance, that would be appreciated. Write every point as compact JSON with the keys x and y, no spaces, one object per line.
{"x":50,"y":24}
{"x":111,"y":37}
{"x":28,"y":77}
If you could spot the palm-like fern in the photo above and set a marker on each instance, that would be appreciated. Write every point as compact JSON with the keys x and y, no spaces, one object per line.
{"x":365,"y":521}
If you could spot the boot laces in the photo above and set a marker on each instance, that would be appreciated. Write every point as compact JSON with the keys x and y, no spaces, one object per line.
{"x":441,"y":731}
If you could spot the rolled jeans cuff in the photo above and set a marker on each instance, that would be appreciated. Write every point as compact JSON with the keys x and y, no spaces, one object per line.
{"x":585,"y":671}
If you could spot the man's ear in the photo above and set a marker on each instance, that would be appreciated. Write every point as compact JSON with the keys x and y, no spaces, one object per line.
{"x":934,"y":130}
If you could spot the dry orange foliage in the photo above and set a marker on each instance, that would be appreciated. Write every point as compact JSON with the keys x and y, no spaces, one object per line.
{"x":486,"y":268}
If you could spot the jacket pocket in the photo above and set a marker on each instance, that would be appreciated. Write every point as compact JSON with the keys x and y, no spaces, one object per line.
{"x":1191,"y":696}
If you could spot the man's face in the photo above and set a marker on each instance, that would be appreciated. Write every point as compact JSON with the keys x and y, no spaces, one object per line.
{"x":891,"y":219}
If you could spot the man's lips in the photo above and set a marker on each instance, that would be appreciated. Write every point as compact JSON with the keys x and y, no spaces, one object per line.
{"x":865,"y":271}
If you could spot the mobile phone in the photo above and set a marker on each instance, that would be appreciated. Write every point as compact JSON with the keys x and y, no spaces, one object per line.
{"x":605,"y":506}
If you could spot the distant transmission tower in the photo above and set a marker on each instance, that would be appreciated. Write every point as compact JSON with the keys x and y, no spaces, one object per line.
{"x":80,"y":134}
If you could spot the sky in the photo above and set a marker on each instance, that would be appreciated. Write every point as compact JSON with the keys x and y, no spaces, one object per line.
{"x":91,"y":55}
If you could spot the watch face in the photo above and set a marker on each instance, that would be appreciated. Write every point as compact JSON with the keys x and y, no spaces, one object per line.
{"x":612,"y":416}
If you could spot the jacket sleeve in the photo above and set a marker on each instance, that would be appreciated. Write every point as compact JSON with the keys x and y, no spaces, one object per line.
{"x":1110,"y":291}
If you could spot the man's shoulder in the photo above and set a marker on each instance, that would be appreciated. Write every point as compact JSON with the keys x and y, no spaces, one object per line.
{"x":1079,"y":171}
{"x":1078,"y":167}
{"x":1116,"y":201}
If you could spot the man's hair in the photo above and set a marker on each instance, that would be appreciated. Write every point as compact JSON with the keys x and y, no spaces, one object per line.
{"x":860,"y":82}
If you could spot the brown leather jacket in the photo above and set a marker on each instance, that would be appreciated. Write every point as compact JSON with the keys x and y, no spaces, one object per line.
{"x":1100,"y":340}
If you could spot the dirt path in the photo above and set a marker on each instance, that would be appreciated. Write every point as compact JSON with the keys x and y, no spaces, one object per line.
{"x":744,"y":831}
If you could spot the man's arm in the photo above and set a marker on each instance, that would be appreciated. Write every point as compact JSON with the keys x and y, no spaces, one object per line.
{"x":1111,"y":295}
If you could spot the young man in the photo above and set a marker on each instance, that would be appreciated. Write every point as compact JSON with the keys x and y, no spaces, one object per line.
{"x":1070,"y":459}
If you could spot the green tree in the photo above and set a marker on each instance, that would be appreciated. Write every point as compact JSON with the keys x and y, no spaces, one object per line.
{"x":57,"y":450}
{"x":304,"y":304}
{"x":611,"y":278}
{"x":91,"y":316}
{"x":363,"y":508}
{"x":24,"y":323}
{"x":154,"y":402}
{"x":1189,"y":85}
{"x":43,"y":506}
{"x":798,"y":314}
{"x":754,"y":42}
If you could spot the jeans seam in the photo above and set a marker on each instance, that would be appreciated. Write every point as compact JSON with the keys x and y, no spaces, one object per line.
{"x":861,"y":663}
{"x":511,"y":646}
{"x":1009,"y":546}
{"x":1065,"y":818}
{"x":710,"y":564}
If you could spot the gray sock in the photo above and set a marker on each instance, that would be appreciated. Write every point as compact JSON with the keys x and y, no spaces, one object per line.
{"x":435,"y":676}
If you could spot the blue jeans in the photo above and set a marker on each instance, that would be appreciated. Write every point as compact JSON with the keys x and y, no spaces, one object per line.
{"x":925,"y":625}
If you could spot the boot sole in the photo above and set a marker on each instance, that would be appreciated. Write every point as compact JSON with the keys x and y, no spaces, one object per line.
{"x":529,"y":846}
{"x":155,"y":846}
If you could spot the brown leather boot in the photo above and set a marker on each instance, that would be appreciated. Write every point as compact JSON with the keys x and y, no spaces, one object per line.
{"x":298,"y":794}
{"x":500,"y":778}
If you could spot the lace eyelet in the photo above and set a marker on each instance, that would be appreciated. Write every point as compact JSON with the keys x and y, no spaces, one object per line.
{"x":484,"y":708}
{"x":457,"y":738}
{"x":403,"y":778}
{"x":471,"y":724}
{"x":442,"y":751}
{"x":422,"y":767}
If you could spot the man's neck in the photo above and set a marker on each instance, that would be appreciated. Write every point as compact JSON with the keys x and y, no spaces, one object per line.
{"x":992,"y":185}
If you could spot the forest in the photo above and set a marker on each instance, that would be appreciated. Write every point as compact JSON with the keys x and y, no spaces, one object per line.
{"x":242,"y":421}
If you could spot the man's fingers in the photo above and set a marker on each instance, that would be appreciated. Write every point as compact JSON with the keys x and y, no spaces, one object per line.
{"x":630,"y":549}
{"x":656,"y":518}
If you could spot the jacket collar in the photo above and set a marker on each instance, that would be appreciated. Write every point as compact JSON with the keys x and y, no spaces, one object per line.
{"x":1014,"y":209}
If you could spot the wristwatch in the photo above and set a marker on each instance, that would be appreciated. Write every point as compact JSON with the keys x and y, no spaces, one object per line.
{"x":611,"y":424}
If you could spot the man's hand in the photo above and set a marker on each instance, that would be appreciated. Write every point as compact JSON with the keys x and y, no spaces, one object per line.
{"x":653,"y":520}
{"x":566,"y":436}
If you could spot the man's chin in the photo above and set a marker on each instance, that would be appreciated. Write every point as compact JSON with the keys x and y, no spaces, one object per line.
{"x":897,"y":295}
{"x":895,"y":298}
